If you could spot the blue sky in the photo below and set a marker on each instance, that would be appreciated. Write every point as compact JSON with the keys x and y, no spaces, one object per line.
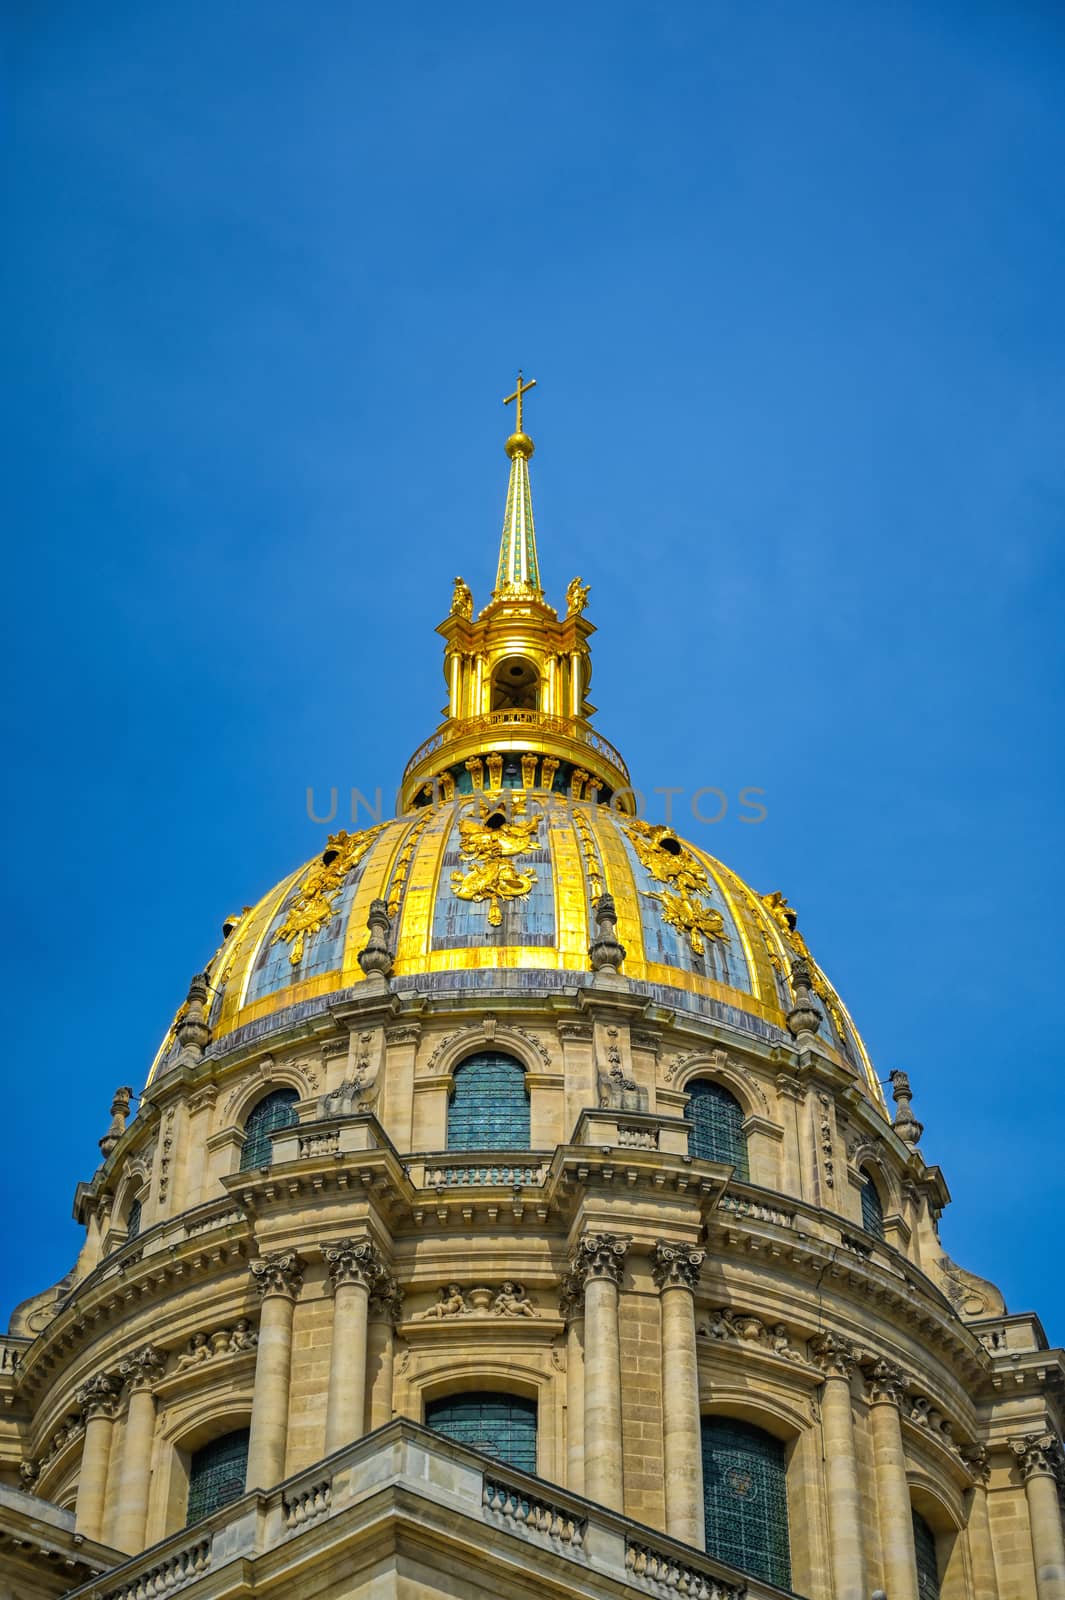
{"x":790,"y":281}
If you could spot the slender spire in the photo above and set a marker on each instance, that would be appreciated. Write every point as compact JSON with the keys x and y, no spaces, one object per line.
{"x":519,"y":569}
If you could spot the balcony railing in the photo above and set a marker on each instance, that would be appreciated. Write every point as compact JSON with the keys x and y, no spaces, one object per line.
{"x":432,"y":1489}
{"x":501,"y":722}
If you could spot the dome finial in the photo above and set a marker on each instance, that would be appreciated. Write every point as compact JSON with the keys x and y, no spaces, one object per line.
{"x":519,"y":569}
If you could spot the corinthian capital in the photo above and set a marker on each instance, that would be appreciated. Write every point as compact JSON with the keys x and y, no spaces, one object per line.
{"x":142,"y":1368}
{"x":885,"y":1383}
{"x":1039,"y":1453}
{"x":676,"y":1265}
{"x":599,"y":1255}
{"x":99,"y":1396}
{"x":834,"y":1355}
{"x":353,"y":1261}
{"x":280,"y":1273}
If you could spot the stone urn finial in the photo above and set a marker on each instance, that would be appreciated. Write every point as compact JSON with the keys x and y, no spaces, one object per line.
{"x":119,"y":1113}
{"x":192,"y":1031}
{"x":605,"y":951}
{"x":376,"y":956}
{"x":804,"y":1016}
{"x":906,"y":1124}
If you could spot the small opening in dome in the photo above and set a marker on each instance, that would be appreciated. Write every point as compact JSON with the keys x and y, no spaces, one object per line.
{"x":329,"y":855}
{"x":517,"y":672}
{"x":495,"y":821}
{"x":670,"y":846}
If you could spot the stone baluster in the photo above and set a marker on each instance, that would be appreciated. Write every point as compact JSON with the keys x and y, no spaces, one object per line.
{"x":278,"y":1278}
{"x":354,"y":1267}
{"x":599,"y":1262}
{"x":676,"y":1272}
{"x":571,"y":1307}
{"x":978,"y":1526}
{"x":139,"y":1373}
{"x":886,"y":1388}
{"x":98,"y":1400}
{"x":386,"y":1310}
{"x":836,"y":1358}
{"x":1039,"y":1457}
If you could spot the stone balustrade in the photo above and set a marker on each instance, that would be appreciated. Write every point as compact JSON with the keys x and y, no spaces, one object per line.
{"x":429,"y":1485}
{"x":462,"y":1172}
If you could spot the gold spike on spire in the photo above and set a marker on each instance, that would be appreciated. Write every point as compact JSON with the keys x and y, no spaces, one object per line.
{"x":519,"y":569}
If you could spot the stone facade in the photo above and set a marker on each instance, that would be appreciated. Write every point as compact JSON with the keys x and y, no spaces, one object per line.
{"x":626,"y":1286}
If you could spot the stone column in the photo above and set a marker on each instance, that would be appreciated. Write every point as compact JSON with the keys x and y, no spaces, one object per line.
{"x":836,"y":1359}
{"x":386,"y":1310}
{"x":676,"y":1272}
{"x":599,"y":1263}
{"x":571,"y":1306}
{"x":278,"y":1278}
{"x":354,"y":1266}
{"x":886,"y":1390}
{"x":1039,"y":1457}
{"x":98,"y":1400}
{"x":140,"y":1372}
{"x":978,"y":1527}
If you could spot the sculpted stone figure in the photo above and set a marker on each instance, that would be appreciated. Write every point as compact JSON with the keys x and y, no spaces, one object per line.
{"x":198,"y":1350}
{"x":512,"y":1301}
{"x":452,"y":1303}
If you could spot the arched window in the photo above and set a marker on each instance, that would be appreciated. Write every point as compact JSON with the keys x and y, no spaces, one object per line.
{"x":489,"y":1106}
{"x":216,"y":1474}
{"x":924,"y":1544}
{"x":278,"y":1110}
{"x":133,"y":1220}
{"x":745,"y":1499}
{"x":872,"y":1207}
{"x":502,"y":1426}
{"x":717,"y":1126}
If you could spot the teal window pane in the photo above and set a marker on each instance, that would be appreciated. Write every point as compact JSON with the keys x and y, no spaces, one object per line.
{"x":216,"y":1474}
{"x":133,"y":1221}
{"x":924,"y":1544}
{"x":489,"y":1107}
{"x":502,"y":1426}
{"x":717,"y":1126}
{"x":745,"y":1499}
{"x":872,"y":1207}
{"x":278,"y":1110}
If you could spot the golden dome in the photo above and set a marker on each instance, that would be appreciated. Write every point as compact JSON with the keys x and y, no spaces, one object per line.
{"x":495,"y":893}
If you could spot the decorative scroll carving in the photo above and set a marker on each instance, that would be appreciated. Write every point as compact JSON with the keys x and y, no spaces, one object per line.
{"x":676,"y":1265}
{"x":616,"y":1091}
{"x":886,"y":1384}
{"x":280,"y":1273}
{"x":599,"y":1255}
{"x":353,"y":1261}
{"x":99,"y":1396}
{"x":970,"y":1295}
{"x":487,"y":843}
{"x":1039,"y":1453}
{"x":314,"y":903}
{"x":977,"y":1458}
{"x":825,"y":1139}
{"x":669,"y":861}
{"x":509,"y":1300}
{"x":223,"y":1342}
{"x":926,"y":1415}
{"x":143,"y":1368}
{"x":835,"y":1355}
{"x":386,"y":1297}
{"x":743,"y":1326}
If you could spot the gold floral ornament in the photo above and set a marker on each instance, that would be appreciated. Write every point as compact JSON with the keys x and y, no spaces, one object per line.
{"x":787,"y":919}
{"x":488,"y":842}
{"x":314,"y":904}
{"x":670,"y":861}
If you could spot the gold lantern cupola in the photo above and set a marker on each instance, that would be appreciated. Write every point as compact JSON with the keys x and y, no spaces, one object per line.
{"x":518,"y":713}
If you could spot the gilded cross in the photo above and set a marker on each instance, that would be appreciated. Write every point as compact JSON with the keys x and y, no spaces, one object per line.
{"x":519,"y":395}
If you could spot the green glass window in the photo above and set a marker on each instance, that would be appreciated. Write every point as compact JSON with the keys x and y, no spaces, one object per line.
{"x":924,"y":1544}
{"x":216,"y":1474}
{"x":278,"y":1110}
{"x":489,"y":1107}
{"x":133,"y":1220}
{"x":717,"y":1126}
{"x":502,"y":1426}
{"x":872,"y":1207}
{"x":745,"y":1499}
